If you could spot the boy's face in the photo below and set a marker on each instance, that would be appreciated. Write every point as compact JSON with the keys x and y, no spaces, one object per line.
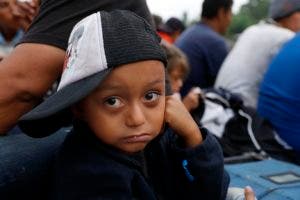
{"x":176,"y":78}
{"x":127,"y":109}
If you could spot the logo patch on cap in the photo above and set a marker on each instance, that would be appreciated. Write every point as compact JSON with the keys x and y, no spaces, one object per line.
{"x":72,"y":51}
{"x":85,"y":54}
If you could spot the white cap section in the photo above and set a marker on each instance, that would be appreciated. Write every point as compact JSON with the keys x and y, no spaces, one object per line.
{"x":85,"y":54}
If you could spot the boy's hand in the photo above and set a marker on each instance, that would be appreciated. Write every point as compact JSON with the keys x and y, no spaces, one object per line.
{"x":191,"y":101}
{"x":180,"y":120}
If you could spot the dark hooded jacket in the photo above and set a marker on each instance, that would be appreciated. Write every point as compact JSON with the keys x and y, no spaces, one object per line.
{"x":88,"y":169}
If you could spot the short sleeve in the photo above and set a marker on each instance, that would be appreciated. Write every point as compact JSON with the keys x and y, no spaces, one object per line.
{"x":56,"y":19}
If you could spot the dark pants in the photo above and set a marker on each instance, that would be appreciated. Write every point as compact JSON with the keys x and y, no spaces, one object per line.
{"x":26,"y":163}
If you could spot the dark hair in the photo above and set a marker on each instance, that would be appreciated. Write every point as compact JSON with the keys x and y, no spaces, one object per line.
{"x":175,"y":24}
{"x":172,"y":25}
{"x":210,"y":8}
{"x":158,"y":21}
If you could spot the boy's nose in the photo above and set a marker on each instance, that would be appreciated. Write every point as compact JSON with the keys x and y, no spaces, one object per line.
{"x":135,"y":116}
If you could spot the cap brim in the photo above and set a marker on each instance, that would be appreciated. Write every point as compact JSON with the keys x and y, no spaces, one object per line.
{"x":52,"y":107}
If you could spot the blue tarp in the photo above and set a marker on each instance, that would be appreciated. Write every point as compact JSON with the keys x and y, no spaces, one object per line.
{"x":253,"y":174}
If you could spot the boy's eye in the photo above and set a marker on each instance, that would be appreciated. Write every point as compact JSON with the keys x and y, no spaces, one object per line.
{"x":151,"y":96}
{"x":113,"y":102}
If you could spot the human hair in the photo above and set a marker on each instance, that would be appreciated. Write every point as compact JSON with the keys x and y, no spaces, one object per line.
{"x":158,"y":21}
{"x":210,"y":8}
{"x":175,"y":24}
{"x":176,"y":59}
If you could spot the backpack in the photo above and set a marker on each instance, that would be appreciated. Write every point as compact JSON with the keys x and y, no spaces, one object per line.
{"x":242,"y":133}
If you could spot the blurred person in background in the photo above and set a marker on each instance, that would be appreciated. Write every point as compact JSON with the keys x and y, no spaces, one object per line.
{"x":13,"y":22}
{"x":244,"y":68}
{"x":178,"y":70}
{"x":158,"y":21}
{"x":171,"y":29}
{"x":279,"y":95}
{"x":204,"y":45}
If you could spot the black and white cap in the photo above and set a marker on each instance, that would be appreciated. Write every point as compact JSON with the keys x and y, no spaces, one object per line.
{"x":97,"y":44}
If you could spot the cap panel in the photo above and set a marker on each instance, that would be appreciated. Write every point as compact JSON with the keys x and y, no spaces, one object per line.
{"x":131,"y":39}
{"x":85,"y":54}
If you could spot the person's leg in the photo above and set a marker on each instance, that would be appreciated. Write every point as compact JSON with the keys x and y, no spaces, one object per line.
{"x":25,"y":164}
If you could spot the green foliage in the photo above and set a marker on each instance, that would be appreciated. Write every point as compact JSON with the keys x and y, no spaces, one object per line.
{"x":250,"y":13}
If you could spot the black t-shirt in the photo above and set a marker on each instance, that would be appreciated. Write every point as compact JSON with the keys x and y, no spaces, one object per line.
{"x":56,"y":18}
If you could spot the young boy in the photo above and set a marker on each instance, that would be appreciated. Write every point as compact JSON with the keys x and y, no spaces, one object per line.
{"x":130,"y":140}
{"x":178,"y":70}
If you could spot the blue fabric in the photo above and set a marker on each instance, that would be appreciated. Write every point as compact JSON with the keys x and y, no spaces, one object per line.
{"x":242,"y":175}
{"x":279,"y":99}
{"x":206,"y":51}
{"x":14,"y":41}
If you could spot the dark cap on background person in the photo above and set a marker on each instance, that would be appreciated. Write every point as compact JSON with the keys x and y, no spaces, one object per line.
{"x":172,"y":25}
{"x":283,"y":8}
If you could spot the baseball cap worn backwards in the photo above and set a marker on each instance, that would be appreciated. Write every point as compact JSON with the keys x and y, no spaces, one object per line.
{"x":283,"y":8}
{"x":97,"y":44}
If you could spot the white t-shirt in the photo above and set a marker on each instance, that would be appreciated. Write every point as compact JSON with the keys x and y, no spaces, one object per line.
{"x":245,"y":66}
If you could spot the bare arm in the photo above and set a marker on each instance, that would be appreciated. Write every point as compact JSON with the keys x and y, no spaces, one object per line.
{"x":25,"y":76}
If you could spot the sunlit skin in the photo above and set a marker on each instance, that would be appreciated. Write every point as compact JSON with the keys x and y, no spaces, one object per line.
{"x":129,"y":108}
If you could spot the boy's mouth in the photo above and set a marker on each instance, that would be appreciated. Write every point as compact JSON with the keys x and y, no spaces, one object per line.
{"x":138,"y":138}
